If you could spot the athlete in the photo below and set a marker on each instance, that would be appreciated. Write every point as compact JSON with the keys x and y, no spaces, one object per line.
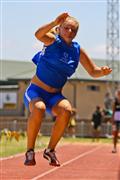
{"x":55,"y":64}
{"x":116,"y":120}
{"x":96,"y":123}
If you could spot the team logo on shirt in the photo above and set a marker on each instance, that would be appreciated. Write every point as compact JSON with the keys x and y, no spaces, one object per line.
{"x":66,"y":58}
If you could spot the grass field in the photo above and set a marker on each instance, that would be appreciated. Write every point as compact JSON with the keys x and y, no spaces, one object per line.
{"x":12,"y":147}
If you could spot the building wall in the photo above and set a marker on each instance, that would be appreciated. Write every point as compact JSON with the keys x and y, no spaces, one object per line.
{"x":22,"y":87}
{"x":84,"y":95}
{"x":88,"y":94}
{"x":12,"y":99}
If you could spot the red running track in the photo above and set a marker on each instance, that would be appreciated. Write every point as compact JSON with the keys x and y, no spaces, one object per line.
{"x":78,"y":161}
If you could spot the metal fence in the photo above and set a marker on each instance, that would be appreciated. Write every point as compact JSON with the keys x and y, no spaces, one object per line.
{"x":82,"y":129}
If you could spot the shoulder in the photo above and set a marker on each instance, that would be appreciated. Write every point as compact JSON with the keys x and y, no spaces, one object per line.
{"x":82,"y":51}
{"x":76,"y":45}
{"x":83,"y":54}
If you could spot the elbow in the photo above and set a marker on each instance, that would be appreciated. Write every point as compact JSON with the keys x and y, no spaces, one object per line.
{"x":37,"y":36}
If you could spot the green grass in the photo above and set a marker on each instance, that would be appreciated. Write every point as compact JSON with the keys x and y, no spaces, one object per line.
{"x":13,"y":147}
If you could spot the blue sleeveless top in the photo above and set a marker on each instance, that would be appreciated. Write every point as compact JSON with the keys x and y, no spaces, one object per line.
{"x":57,"y":62}
{"x":36,"y":58}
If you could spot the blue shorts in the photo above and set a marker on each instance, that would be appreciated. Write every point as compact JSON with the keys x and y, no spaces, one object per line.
{"x":35,"y":92}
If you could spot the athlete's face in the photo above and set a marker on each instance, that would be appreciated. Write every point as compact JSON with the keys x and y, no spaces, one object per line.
{"x":68,"y":30}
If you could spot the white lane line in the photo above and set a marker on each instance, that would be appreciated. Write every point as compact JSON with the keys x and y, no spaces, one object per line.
{"x":11,"y":157}
{"x":65,"y":163}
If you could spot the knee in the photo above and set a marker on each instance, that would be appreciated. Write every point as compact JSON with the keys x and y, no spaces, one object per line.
{"x":39,"y":108}
{"x":66,"y":110}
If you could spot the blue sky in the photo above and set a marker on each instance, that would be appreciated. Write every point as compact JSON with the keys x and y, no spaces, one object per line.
{"x":20,"y":20}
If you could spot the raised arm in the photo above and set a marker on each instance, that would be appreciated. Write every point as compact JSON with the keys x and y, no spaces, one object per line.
{"x":44,"y":33}
{"x":91,"y":67}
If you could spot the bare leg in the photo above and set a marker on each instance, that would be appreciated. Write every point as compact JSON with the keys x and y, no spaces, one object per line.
{"x":98,"y":135}
{"x":94,"y":134}
{"x":63,"y":112}
{"x":115,"y":139}
{"x":73,"y":131}
{"x":37,"y":109}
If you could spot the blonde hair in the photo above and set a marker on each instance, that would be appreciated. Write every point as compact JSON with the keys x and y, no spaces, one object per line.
{"x":55,"y":30}
{"x":73,"y":19}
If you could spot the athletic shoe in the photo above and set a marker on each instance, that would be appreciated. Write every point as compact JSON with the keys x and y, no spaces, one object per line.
{"x":30,"y":158}
{"x":51,"y":157}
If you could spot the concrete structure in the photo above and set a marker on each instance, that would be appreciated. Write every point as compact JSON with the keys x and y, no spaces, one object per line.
{"x":83,"y":91}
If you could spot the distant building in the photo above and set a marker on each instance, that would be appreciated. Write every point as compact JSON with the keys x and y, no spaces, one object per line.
{"x":83,"y":91}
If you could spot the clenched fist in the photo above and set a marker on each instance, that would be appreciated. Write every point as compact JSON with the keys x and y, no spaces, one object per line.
{"x":106,"y":70}
{"x":61,"y":18}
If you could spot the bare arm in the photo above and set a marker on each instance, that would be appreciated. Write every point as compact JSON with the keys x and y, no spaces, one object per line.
{"x":43,"y":33}
{"x":91,"y":67}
